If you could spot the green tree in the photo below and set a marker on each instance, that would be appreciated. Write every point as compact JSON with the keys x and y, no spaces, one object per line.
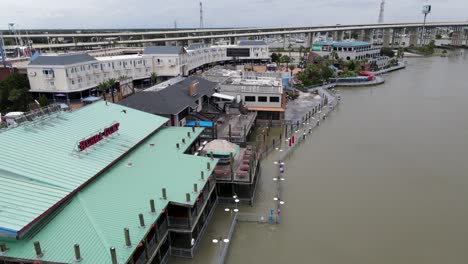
{"x":275,"y":57}
{"x":14,"y":93}
{"x":154,"y":78}
{"x":385,"y":51}
{"x":438,"y":36}
{"x":43,"y":101}
{"x":401,"y":53}
{"x":351,"y":65}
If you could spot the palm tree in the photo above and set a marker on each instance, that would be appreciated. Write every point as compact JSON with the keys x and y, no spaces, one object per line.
{"x":154,"y":78}
{"x":103,"y":87}
{"x":291,"y":68}
{"x":111,"y":84}
{"x":290,"y":49}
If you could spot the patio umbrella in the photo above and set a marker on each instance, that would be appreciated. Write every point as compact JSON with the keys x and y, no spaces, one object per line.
{"x":221,"y":147}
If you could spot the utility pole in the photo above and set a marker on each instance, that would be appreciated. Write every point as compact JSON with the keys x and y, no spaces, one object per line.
{"x":381,"y":18}
{"x":175,"y":24}
{"x":2,"y":51}
{"x":201,"y":15}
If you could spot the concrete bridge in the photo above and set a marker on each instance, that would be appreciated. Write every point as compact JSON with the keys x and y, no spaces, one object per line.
{"x":389,"y":32}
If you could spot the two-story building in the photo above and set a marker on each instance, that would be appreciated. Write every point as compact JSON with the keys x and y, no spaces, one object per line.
{"x":260,"y":92}
{"x":76,"y":74}
{"x":102,"y":184}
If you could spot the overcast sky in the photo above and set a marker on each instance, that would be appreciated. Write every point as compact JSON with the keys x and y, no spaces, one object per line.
{"x":217,"y":13}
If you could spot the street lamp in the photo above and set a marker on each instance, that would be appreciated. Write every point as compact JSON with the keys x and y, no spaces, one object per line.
{"x":426,"y":10}
{"x":217,"y":240}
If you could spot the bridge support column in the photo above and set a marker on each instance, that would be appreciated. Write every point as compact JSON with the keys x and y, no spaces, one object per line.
{"x":167,"y":43}
{"x":340,"y":35}
{"x":335,"y":35}
{"x":361,"y":35}
{"x":386,"y":37}
{"x":466,"y":37}
{"x":456,"y":36}
{"x":413,"y":37}
{"x":394,"y":37}
{"x":233,"y":41}
{"x":284,"y":41}
{"x":368,"y":35}
{"x":310,"y":40}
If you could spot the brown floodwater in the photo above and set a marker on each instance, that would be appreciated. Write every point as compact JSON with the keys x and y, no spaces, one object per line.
{"x":383,"y":180}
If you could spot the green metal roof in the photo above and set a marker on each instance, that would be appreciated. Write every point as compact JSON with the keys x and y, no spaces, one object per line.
{"x":97,"y":214}
{"x":39,"y":164}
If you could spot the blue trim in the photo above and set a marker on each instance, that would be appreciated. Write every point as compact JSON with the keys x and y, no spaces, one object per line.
{"x":5,"y":232}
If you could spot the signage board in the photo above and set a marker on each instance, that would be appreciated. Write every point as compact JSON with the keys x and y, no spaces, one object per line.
{"x":238,"y":52}
{"x":84,"y":144}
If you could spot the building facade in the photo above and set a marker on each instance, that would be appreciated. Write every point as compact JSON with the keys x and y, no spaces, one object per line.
{"x":72,"y":73}
{"x":347,"y":50}
{"x":91,"y":186}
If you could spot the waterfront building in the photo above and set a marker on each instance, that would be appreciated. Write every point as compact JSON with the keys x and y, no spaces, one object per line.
{"x":76,"y":74}
{"x":347,"y":50}
{"x":351,"y":51}
{"x":92,"y":186}
{"x":262,"y":92}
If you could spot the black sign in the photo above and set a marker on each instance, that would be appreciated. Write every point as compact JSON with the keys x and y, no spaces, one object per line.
{"x":238,"y":52}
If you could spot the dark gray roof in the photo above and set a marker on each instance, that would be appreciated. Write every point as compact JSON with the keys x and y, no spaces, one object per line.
{"x":163,"y":50}
{"x":195,"y":46}
{"x":172,"y":99}
{"x":252,"y":43}
{"x":66,"y":59}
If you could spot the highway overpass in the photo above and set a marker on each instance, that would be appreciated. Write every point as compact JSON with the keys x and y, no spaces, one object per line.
{"x":364,"y":31}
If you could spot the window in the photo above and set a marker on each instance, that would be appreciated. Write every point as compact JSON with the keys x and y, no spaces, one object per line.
{"x":262,"y":98}
{"x":73,"y":82}
{"x":250,"y":98}
{"x":51,"y":83}
{"x":274,"y":99}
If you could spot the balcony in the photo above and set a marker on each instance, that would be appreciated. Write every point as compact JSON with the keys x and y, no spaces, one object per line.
{"x":49,"y":76}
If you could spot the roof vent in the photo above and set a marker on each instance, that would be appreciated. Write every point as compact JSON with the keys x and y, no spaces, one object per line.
{"x":129,"y":165}
{"x":152,"y":144}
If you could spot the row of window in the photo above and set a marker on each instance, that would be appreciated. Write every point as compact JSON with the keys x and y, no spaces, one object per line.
{"x":262,"y":99}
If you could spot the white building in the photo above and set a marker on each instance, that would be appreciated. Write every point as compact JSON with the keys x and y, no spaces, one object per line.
{"x":72,"y":73}
{"x":347,"y":50}
{"x":261,"y":92}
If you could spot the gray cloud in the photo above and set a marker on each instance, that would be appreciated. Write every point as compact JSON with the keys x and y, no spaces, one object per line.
{"x":218,"y":13}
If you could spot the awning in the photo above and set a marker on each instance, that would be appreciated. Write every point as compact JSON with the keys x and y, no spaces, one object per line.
{"x":266,"y":109}
{"x":224,"y":96}
{"x":199,"y":123}
{"x":221,"y":147}
{"x":91,"y":99}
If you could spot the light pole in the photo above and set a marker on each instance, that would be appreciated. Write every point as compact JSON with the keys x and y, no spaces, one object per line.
{"x":220,"y":241}
{"x":426,"y":11}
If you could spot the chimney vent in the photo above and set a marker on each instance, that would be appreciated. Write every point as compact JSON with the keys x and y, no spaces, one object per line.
{"x":37,"y":248}
{"x":142,"y":220}
{"x":77,"y":252}
{"x":164,"y":195}
{"x":128,"y":242}
{"x":113,"y":255}
{"x":153,"y":208}
{"x":187,"y":197}
{"x":195,"y":188}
